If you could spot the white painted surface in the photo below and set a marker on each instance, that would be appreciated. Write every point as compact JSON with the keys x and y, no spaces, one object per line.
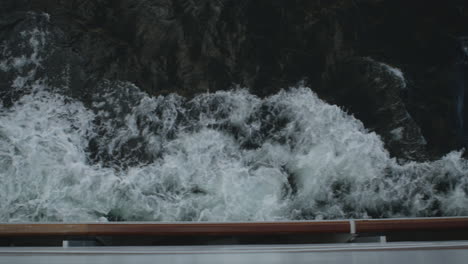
{"x":414,"y":253}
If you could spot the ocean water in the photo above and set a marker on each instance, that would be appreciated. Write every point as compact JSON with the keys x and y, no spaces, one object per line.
{"x":224,"y":156}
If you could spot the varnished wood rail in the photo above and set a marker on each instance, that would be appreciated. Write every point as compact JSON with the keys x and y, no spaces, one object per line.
{"x":232,"y":229}
{"x":415,"y":224}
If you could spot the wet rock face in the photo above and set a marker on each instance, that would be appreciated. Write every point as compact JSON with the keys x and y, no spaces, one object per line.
{"x":422,"y":39}
{"x":337,"y":47}
{"x":372,"y":91}
{"x":189,"y":47}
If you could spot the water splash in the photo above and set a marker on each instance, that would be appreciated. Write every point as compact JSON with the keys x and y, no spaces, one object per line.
{"x":224,"y":156}
{"x":218,"y":157}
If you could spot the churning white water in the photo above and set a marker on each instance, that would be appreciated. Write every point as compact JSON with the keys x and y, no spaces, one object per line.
{"x":224,"y":156}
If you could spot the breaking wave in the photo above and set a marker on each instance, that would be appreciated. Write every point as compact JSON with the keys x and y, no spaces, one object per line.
{"x":224,"y":156}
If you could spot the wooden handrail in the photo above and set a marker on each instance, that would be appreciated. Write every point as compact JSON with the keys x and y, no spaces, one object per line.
{"x":173,"y":229}
{"x":219,"y":229}
{"x":417,"y":224}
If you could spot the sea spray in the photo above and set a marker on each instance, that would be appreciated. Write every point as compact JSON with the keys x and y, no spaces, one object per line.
{"x":224,"y":156}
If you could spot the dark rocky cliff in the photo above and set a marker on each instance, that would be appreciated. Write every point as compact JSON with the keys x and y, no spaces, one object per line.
{"x":346,"y":51}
